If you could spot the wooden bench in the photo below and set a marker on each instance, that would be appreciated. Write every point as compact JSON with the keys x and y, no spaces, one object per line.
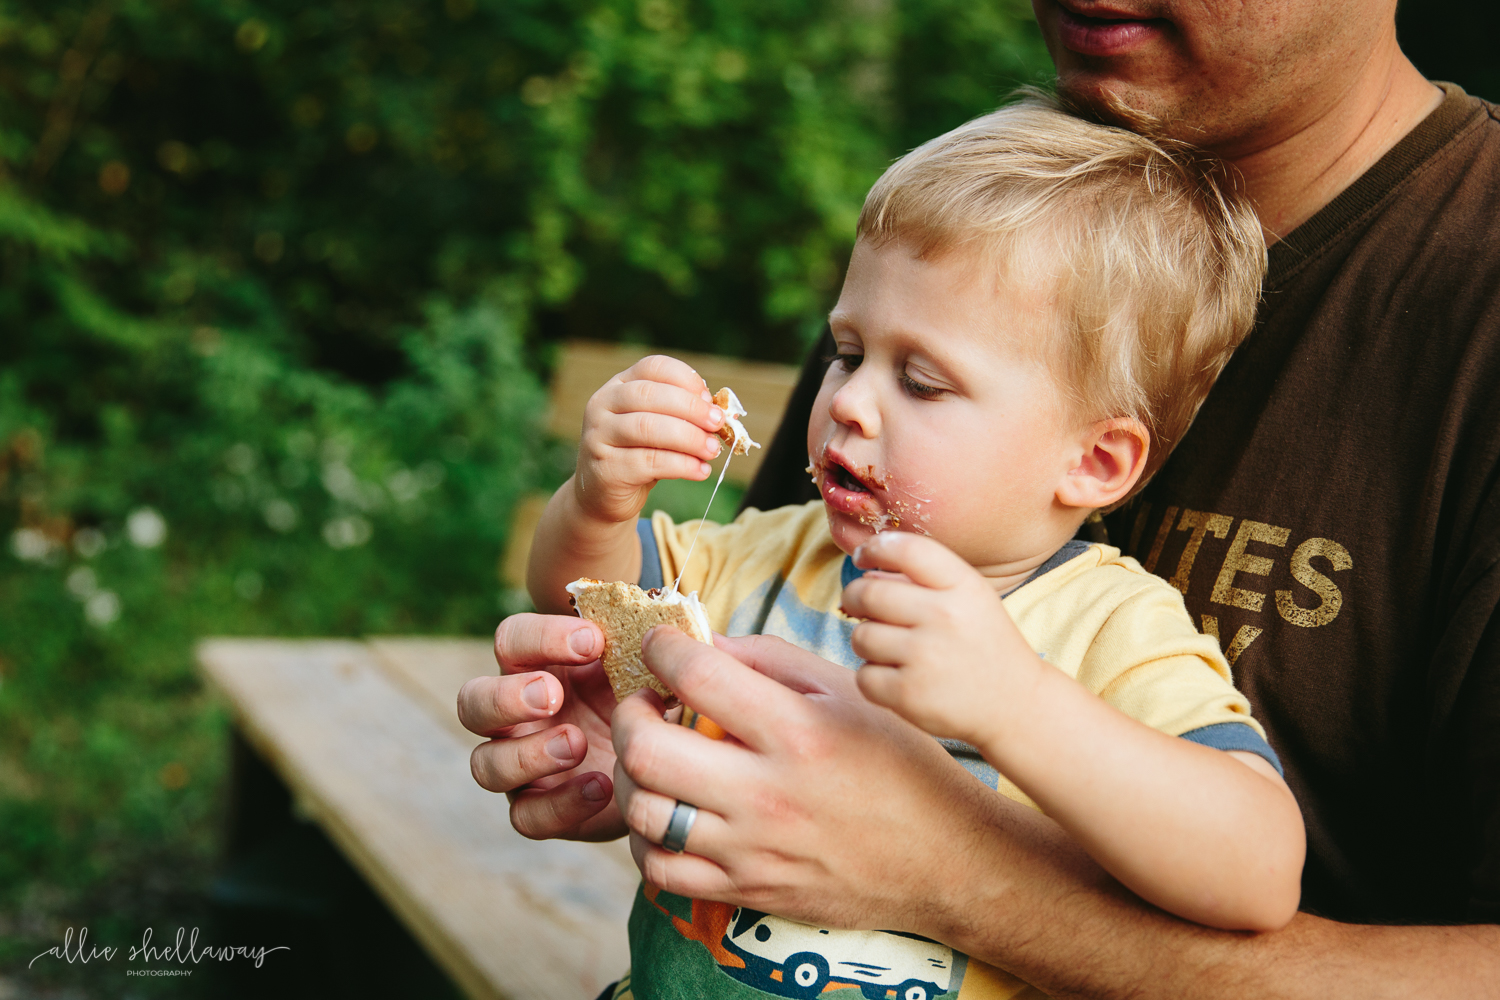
{"x":366,"y":737}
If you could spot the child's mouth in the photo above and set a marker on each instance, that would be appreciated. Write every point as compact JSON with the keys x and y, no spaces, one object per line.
{"x":845,"y":479}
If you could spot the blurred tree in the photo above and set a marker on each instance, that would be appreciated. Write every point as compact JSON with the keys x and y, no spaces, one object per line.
{"x":277,"y":285}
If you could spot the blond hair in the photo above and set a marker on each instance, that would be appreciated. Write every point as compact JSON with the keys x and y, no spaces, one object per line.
{"x":1160,"y":264}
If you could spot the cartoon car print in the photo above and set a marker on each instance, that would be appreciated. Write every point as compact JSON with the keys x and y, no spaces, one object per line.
{"x":808,"y":958}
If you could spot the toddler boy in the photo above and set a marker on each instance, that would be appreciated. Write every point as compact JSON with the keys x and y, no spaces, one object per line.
{"x":1033,"y":312}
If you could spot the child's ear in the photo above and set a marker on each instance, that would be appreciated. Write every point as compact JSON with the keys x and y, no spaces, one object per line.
{"x":1112,"y":458}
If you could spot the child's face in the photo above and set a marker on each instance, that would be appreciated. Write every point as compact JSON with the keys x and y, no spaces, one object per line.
{"x":934,"y":418}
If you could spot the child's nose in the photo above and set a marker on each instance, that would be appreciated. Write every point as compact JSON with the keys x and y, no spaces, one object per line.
{"x":853,"y":406}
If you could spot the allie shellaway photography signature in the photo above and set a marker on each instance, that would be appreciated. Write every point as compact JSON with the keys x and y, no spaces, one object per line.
{"x":184,"y":950}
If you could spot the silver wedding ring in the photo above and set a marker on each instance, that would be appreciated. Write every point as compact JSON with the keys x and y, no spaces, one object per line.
{"x":679,"y":826}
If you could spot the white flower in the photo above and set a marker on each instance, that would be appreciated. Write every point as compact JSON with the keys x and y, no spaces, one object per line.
{"x":102,"y":609}
{"x":341,"y":482}
{"x":30,"y":545}
{"x":347,"y":532}
{"x":82,"y":583}
{"x":147,"y":529}
{"x":280,"y":514}
{"x":88,"y":542}
{"x":404,"y":486}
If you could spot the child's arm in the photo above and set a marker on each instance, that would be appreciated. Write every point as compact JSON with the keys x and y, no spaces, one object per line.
{"x":1211,"y":836}
{"x":653,"y":421}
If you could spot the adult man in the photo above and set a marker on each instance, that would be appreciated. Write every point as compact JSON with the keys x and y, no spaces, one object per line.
{"x":1332,"y":517}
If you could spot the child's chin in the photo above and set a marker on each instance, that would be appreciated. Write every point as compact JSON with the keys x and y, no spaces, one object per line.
{"x":848,"y":533}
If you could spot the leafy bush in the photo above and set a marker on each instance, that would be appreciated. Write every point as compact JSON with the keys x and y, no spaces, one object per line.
{"x":279,"y":285}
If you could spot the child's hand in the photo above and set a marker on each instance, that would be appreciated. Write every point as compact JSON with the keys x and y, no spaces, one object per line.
{"x":939,"y":647}
{"x":653,"y":421}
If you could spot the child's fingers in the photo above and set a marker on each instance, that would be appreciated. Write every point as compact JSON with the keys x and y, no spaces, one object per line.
{"x":669,"y":370}
{"x":635,"y":390}
{"x":643,"y":466}
{"x":644,"y":429}
{"x":926,"y":561}
{"x":877,"y":642}
{"x":880,"y":684}
{"x":887,"y":598}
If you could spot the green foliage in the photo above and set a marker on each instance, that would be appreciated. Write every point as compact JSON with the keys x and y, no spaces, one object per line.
{"x":278,"y":287}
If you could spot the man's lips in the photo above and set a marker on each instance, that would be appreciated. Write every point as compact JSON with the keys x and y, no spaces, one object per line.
{"x":1104,"y":32}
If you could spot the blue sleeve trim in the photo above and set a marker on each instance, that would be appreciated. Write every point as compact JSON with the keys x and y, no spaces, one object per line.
{"x":849,"y":572}
{"x":650,"y":557}
{"x":1235,"y":736}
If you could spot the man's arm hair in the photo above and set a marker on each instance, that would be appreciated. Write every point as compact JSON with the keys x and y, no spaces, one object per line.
{"x":1086,"y":937}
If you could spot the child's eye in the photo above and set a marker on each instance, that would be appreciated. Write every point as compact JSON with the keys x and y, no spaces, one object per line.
{"x":920,"y":389}
{"x":849,"y":362}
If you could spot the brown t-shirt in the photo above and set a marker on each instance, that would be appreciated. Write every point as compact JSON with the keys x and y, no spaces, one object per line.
{"x":1333,"y":516}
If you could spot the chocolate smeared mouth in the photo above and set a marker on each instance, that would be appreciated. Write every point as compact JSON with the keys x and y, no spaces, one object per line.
{"x":845,"y":479}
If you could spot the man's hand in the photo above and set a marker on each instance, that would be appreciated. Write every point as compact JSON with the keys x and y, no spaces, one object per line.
{"x":827,"y":809}
{"x":940,"y":648}
{"x":819,"y":807}
{"x":549,"y":747}
{"x":655,"y":420}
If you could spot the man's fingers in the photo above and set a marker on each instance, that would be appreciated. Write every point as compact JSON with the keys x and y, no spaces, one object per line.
{"x":673,"y":760}
{"x":788,"y":665}
{"x":886,"y":599}
{"x":541,"y":814}
{"x":648,"y":813}
{"x":527,"y":641}
{"x":506,"y":764}
{"x":687,"y":875}
{"x":928,"y":562}
{"x":487,"y":706}
{"x":876,"y":642}
{"x":750,"y":706}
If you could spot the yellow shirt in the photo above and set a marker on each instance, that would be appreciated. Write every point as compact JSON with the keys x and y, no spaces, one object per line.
{"x":1097,"y":616}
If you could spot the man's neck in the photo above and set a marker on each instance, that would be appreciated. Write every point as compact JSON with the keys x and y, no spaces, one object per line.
{"x":1295,"y":176}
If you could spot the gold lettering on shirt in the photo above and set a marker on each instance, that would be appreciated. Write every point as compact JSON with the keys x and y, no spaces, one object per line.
{"x":1237,"y":560}
{"x":1200,"y":524}
{"x":1161,"y":539}
{"x":1242,"y":639}
{"x":1303,"y":573}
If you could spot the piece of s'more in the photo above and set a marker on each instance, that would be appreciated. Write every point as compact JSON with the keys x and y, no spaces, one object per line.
{"x":733,"y":432}
{"x":625,"y":613}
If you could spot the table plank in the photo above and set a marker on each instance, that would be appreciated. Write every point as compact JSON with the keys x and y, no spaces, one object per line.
{"x":433,"y":668}
{"x":389,"y":782}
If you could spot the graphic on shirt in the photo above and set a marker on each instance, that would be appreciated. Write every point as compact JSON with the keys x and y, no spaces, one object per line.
{"x":789,"y":959}
{"x":1317,"y":603}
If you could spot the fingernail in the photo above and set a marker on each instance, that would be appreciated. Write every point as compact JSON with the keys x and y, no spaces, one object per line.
{"x":583,"y":642}
{"x":705,"y":468}
{"x":712,"y":441}
{"x":715,"y":416}
{"x":559,"y":748}
{"x":705,"y":395}
{"x":593,"y":790}
{"x":535,"y":694}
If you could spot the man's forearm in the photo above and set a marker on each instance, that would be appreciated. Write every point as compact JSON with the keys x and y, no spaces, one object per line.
{"x":570,"y":543}
{"x":1041,"y":909}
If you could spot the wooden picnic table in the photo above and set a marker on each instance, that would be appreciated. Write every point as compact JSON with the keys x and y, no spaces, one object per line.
{"x":366,"y":736}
